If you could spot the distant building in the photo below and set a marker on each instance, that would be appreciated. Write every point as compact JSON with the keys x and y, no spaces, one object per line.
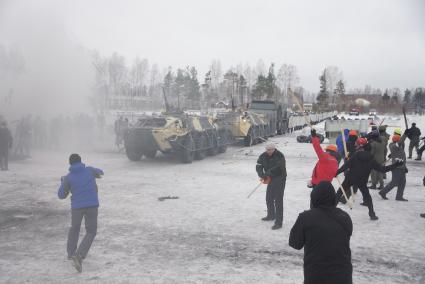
{"x":348,"y":101}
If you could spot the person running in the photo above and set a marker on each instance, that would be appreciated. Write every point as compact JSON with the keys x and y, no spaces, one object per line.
{"x":359,"y":167}
{"x":81,"y":184}
{"x":272,"y":165}
{"x":324,"y":232}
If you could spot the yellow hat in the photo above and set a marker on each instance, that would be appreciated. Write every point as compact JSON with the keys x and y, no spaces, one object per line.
{"x":397,"y":131}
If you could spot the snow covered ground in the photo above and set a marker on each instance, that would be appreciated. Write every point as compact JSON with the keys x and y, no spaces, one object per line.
{"x":211,"y":234}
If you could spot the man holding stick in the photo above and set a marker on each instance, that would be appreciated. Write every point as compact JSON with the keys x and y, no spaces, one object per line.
{"x":271,"y":165}
{"x":360,"y":165}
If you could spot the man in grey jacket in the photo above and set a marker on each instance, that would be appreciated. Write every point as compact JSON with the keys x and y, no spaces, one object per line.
{"x":398,"y":174}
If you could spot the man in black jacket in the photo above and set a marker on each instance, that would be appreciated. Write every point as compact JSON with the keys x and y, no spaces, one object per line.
{"x":271,"y":164}
{"x":413,"y":133}
{"x":359,"y":167}
{"x":324,"y":231}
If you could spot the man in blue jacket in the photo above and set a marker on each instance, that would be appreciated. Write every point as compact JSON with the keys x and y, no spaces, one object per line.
{"x":340,"y":144}
{"x":81,"y":183}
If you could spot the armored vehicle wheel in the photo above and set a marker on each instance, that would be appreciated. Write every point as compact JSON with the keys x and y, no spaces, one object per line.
{"x":187,"y":151}
{"x":213,"y":149}
{"x":200,"y":148}
{"x":150,"y":153}
{"x":133,"y":154}
{"x":224,"y":139}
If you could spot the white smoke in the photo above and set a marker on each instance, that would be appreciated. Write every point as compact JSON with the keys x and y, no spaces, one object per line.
{"x":56,"y":75}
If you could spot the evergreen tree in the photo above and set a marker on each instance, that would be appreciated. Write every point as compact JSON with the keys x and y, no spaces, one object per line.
{"x":323,"y":96}
{"x":385,"y":97}
{"x":264,"y":88}
{"x":407,"y":96}
{"x":340,"y":88}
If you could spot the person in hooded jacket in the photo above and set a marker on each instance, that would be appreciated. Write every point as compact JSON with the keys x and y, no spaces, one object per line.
{"x":327,"y":165}
{"x":81,"y":184}
{"x":324,"y":232}
{"x":359,"y":167}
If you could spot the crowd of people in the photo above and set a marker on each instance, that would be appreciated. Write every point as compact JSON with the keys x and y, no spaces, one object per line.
{"x":324,"y":231}
{"x":30,"y":132}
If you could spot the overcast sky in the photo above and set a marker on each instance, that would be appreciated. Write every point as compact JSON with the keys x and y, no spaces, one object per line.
{"x":376,"y":42}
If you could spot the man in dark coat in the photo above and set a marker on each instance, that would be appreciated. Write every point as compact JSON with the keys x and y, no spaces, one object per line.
{"x":6,"y":141}
{"x":324,"y":231}
{"x":351,"y":142}
{"x":359,"y":167}
{"x":398,"y":178}
{"x":413,"y":133}
{"x":378,"y":145}
{"x":271,"y":164}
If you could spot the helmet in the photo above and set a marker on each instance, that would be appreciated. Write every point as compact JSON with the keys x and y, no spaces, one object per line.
{"x":361,"y":141}
{"x":397,"y":131}
{"x":331,"y":148}
{"x":396,"y":138}
{"x":352,"y":133}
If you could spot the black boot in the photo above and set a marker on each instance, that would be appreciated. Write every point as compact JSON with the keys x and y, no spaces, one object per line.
{"x":268,"y":218}
{"x":276,"y":226}
{"x":374,"y":217}
{"x":383,"y":195}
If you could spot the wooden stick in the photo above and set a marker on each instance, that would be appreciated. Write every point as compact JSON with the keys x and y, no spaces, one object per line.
{"x":343,"y":192}
{"x":249,"y":195}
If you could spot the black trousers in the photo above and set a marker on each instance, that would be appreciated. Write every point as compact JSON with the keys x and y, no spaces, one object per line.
{"x":367,"y":198}
{"x":421,"y":150}
{"x":274,"y":198}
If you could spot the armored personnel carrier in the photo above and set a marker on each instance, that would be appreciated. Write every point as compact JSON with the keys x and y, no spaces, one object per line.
{"x":247,"y":126}
{"x":186,"y":136}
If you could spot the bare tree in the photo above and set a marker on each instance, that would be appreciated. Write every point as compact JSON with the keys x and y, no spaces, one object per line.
{"x":216,"y":73}
{"x":138,"y":76}
{"x":260,"y":68}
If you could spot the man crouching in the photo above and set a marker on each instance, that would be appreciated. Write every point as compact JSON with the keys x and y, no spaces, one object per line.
{"x":81,"y":183}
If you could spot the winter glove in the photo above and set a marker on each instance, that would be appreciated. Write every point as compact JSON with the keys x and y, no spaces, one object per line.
{"x":398,"y":162}
{"x":424,"y":181}
{"x":313,"y":132}
{"x":407,"y":170}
